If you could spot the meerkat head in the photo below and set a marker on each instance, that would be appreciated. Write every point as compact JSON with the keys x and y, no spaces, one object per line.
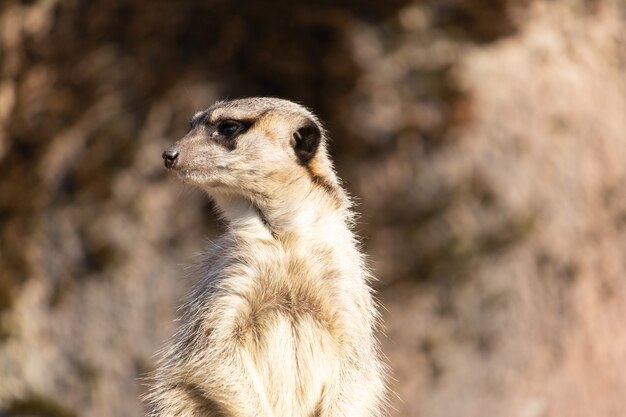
{"x":258,"y":148}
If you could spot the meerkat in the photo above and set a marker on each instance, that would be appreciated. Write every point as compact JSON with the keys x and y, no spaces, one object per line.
{"x":282,"y":322}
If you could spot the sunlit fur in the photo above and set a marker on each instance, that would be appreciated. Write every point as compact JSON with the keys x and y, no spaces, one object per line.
{"x":282,"y":320}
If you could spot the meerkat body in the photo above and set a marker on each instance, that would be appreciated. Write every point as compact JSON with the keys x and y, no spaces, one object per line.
{"x":282,"y":320}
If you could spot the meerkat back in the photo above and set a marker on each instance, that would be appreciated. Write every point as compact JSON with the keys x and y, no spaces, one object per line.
{"x":282,"y":320}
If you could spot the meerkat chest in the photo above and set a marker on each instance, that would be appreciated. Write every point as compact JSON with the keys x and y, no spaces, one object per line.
{"x":295,"y":356}
{"x":286,"y":324}
{"x":293,"y":291}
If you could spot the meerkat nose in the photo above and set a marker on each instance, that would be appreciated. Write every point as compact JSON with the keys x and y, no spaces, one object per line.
{"x":169,"y":157}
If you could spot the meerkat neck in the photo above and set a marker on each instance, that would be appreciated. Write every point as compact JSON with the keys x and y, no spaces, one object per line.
{"x":241,"y":215}
{"x":289,"y":212}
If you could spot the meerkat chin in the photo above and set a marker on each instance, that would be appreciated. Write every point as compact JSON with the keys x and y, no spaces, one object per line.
{"x":282,"y":321}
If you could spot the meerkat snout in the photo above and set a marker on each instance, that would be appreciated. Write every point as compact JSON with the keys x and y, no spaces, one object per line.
{"x":169,"y":157}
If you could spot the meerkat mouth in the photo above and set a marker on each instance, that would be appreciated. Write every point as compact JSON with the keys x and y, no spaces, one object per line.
{"x":197,"y":177}
{"x":192,"y":175}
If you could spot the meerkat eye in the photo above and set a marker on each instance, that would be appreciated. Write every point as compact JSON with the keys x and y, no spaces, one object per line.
{"x":229,"y":128}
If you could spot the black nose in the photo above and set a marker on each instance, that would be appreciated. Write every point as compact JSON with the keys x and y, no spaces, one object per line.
{"x":169,"y":157}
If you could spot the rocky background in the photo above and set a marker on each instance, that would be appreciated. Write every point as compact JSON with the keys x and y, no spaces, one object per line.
{"x":484,"y":141}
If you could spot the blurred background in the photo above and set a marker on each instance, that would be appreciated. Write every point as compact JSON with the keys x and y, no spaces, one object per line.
{"x":484,"y":142}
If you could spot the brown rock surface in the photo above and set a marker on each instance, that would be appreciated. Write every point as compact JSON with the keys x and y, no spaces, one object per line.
{"x":485,"y":143}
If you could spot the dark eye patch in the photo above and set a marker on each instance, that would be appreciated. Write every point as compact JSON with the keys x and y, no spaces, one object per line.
{"x":225,"y":131}
{"x":229,"y":128}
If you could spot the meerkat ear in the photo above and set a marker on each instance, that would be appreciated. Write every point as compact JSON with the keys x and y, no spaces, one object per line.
{"x":306,"y":141}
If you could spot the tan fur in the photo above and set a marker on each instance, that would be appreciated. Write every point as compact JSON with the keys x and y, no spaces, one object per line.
{"x":282,"y":321}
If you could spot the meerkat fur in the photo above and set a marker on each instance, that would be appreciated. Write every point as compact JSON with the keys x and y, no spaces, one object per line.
{"x":282,"y":322}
